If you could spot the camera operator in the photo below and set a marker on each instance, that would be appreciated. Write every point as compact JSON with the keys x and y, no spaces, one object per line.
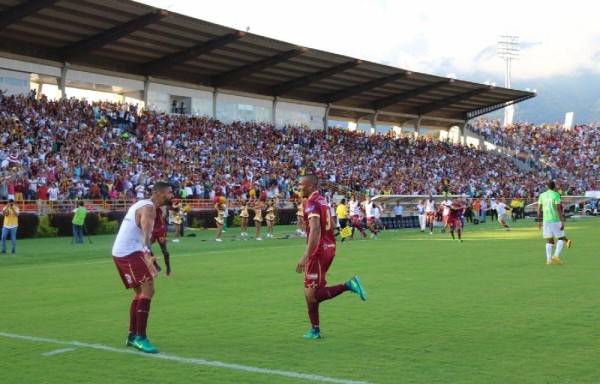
{"x":11,"y":223}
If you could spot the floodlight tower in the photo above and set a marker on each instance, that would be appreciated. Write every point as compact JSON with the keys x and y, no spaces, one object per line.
{"x":508,"y":50}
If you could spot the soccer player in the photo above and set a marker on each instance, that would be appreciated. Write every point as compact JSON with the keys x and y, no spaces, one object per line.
{"x":319,"y":254}
{"x":445,"y":212}
{"x":430,"y":213}
{"x":159,"y":234}
{"x":501,"y":208}
{"x":453,"y":219}
{"x":553,"y":224}
{"x":131,"y":254}
{"x":355,"y":218}
{"x":368,"y":207}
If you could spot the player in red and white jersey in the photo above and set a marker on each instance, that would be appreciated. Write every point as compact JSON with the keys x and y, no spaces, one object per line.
{"x":446,"y":211}
{"x":319,"y":254}
{"x":355,"y":217}
{"x":501,"y":209}
{"x":354,"y":207}
{"x":368,"y":207}
{"x":430,"y":213}
{"x":131,"y":254}
{"x":453,"y":219}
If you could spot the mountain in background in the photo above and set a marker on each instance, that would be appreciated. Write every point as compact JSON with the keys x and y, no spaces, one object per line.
{"x":579,"y":93}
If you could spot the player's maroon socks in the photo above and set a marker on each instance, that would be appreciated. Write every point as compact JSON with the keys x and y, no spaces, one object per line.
{"x":327,"y":293}
{"x":133,"y":315}
{"x":313,"y":314}
{"x":143,"y":311}
{"x":167,"y":257}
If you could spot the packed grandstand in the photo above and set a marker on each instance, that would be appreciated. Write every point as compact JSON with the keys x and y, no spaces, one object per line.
{"x":70,"y":148}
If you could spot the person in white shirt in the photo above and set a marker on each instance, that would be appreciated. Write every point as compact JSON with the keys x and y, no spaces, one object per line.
{"x":430,"y":213}
{"x":139,"y":192}
{"x":398,"y":211}
{"x":493,"y":211}
{"x":136,"y":266}
{"x":53,"y":196}
{"x":354,"y":207}
{"x":368,"y":207}
{"x":501,"y":208}
{"x":355,"y":219}
{"x":446,"y":211}
{"x":422,"y":216}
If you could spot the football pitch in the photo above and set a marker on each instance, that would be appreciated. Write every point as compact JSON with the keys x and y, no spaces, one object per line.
{"x":487,"y":310}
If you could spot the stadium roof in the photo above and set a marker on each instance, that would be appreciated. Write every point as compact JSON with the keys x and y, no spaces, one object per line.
{"x":137,"y":39}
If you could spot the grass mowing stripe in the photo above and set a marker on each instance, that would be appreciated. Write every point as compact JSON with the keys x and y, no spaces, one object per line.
{"x":186,"y":360}
{"x":110,"y":260}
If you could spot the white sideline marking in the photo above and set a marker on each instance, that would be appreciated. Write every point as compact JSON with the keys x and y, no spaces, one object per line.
{"x":186,"y":360}
{"x":58,"y":351}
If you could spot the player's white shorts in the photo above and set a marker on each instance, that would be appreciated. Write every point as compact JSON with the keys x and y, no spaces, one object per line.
{"x":552,"y":230}
{"x":503,"y":217}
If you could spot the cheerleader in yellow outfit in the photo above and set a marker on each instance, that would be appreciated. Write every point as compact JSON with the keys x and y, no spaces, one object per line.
{"x":177,"y":218}
{"x":270,"y":217}
{"x":258,"y":218}
{"x":300,"y":216}
{"x":220,"y":207}
{"x":244,"y":215}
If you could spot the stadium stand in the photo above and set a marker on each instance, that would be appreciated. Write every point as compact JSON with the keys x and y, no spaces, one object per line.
{"x":104,"y":151}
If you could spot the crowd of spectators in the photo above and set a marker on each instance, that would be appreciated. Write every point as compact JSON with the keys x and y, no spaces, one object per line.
{"x":567,"y":154}
{"x":69,"y":149}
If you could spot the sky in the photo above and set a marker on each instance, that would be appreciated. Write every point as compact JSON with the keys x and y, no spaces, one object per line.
{"x":457,"y":38}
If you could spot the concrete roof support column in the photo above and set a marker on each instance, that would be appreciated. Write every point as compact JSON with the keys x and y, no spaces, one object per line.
{"x":326,"y":118}
{"x":374,"y":122}
{"x":418,"y":127}
{"x":62,"y":80}
{"x":38,"y":91}
{"x":214,"y":109}
{"x":274,"y":112}
{"x":145,"y":94}
{"x":463,"y":137}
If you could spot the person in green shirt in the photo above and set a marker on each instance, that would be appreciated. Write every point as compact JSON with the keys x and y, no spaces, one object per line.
{"x":78,"y":220}
{"x":553,"y":223}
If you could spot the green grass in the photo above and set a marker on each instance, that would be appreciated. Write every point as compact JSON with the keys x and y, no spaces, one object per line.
{"x":487,"y":310}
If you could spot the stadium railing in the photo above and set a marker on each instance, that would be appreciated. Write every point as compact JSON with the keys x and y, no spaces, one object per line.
{"x":42,"y":207}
